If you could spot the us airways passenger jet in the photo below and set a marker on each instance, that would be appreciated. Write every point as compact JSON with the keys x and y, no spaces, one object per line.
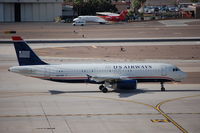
{"x":108,"y":75}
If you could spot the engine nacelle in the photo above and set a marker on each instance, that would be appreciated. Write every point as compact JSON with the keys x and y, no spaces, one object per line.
{"x":126,"y":84}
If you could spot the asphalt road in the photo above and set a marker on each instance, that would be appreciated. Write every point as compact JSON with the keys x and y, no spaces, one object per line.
{"x":146,"y":29}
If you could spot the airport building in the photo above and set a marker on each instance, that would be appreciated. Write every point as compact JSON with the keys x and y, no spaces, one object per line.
{"x":30,"y":10}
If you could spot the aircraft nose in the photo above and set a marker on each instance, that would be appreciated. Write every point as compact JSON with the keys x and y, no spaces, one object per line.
{"x":11,"y":69}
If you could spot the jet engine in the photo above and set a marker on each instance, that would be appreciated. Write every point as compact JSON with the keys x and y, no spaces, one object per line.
{"x":125,"y":84}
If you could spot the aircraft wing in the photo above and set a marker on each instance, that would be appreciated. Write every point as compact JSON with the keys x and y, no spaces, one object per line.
{"x":108,"y":78}
{"x":107,"y":14}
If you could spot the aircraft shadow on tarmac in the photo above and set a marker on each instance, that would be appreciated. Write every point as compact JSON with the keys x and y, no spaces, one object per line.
{"x":122,"y":93}
{"x":56,"y":92}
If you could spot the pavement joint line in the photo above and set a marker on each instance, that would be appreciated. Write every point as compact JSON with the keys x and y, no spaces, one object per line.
{"x":58,"y":115}
{"x":106,"y":114}
{"x":17,"y":95}
{"x":47,"y":119}
{"x":184,"y":113}
{"x":174,"y":99}
{"x":114,"y":99}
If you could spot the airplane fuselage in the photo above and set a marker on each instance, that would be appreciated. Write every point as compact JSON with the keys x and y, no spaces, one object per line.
{"x":142,"y":72}
{"x":109,"y":75}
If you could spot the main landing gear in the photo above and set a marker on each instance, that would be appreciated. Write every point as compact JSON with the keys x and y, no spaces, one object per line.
{"x":103,"y":89}
{"x":162,"y":86}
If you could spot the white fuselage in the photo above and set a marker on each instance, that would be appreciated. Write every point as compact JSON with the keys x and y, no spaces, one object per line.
{"x":90,"y":19}
{"x":109,"y":75}
{"x":142,"y":72}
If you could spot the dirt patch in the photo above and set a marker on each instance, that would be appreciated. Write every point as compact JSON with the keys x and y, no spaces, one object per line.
{"x":185,"y":52}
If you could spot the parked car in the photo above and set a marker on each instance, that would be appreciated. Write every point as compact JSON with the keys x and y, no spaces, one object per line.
{"x":149,"y":9}
{"x":173,"y":9}
{"x":80,"y":23}
{"x":164,"y":9}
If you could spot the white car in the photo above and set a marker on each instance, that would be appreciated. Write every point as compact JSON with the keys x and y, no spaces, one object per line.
{"x":80,"y":23}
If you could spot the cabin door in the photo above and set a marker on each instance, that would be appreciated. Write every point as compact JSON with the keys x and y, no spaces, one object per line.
{"x":163,"y":71}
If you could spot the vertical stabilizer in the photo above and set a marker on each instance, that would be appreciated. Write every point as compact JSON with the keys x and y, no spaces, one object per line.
{"x":25,"y":54}
{"x":123,"y":14}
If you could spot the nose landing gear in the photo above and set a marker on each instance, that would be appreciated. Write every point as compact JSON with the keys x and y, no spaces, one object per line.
{"x":162,"y":86}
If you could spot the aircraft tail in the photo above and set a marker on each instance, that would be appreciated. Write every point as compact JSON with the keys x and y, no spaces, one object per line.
{"x":123,"y":13}
{"x":25,"y":54}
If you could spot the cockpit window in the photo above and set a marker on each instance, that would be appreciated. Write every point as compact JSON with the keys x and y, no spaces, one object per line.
{"x":176,"y":69}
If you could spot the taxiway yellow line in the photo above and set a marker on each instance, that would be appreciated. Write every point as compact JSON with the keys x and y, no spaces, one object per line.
{"x":171,"y":120}
{"x":114,"y":99}
{"x":157,"y":107}
{"x":168,"y":117}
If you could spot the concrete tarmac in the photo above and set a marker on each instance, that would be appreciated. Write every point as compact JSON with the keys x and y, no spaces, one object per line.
{"x":34,"y":105}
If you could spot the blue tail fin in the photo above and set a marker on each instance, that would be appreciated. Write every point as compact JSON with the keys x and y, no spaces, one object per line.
{"x":25,"y":54}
